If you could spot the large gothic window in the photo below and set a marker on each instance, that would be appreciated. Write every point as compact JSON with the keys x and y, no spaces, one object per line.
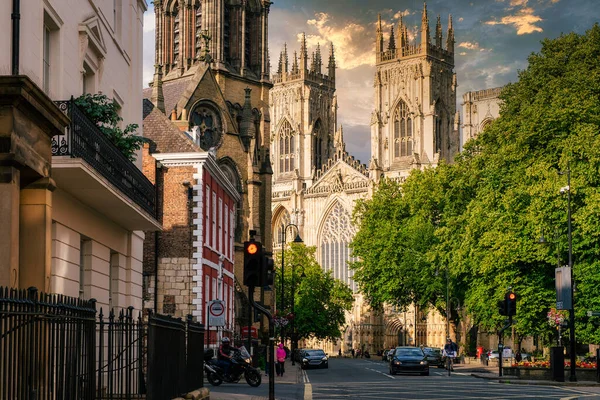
{"x":286,"y":148}
{"x":403,"y":131}
{"x":176,"y":35}
{"x":438,"y":126}
{"x":336,"y":235}
{"x":318,"y":145}
{"x":282,"y":220}
{"x":198,"y":35}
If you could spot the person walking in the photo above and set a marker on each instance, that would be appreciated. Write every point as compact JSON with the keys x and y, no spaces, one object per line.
{"x":280,"y":355}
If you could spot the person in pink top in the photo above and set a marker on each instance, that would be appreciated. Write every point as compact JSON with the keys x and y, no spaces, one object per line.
{"x":280,"y":356}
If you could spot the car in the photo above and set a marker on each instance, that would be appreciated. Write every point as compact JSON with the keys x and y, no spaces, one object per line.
{"x":409,"y":359}
{"x":298,"y":355}
{"x":493,"y":354}
{"x":434,"y":356}
{"x":314,"y":358}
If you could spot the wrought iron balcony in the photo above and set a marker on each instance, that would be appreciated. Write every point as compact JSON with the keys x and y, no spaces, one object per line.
{"x":82,"y":139}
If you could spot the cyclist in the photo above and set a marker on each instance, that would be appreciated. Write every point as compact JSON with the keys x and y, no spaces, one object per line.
{"x":450,"y":350}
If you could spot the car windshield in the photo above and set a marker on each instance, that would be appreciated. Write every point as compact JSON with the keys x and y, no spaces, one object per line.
{"x":408,"y":352}
{"x":432,"y":351}
{"x":314,"y":353}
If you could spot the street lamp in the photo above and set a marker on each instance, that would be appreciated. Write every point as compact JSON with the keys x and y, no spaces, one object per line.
{"x":567,"y":189}
{"x":294,"y":339}
{"x":298,"y":239}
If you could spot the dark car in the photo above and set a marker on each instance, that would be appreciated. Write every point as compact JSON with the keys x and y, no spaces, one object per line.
{"x":409,"y":359}
{"x":434,"y":356}
{"x":314,"y":358}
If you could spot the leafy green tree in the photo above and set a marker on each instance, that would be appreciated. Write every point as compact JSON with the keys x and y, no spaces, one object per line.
{"x":103,"y":112}
{"x":320,"y":301}
{"x":478,"y":219}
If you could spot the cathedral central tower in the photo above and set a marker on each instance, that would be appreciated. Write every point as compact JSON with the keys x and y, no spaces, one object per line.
{"x":414,"y":123}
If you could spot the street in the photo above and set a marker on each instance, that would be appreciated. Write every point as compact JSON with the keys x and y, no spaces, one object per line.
{"x":369,"y":379}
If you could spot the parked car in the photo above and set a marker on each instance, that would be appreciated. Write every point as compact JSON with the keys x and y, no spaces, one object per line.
{"x":434,"y":356}
{"x":493,"y":354}
{"x":314,"y":358}
{"x":409,"y":359}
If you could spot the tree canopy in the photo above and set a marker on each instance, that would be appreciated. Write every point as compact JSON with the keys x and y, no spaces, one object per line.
{"x":479,"y":219}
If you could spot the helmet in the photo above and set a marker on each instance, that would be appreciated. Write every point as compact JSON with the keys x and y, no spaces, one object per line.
{"x":225,"y":340}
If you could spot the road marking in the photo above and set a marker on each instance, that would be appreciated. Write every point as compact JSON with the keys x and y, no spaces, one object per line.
{"x":382,"y":373}
{"x":307,"y":391}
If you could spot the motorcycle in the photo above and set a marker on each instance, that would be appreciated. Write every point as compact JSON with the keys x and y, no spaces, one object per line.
{"x":241,"y":364}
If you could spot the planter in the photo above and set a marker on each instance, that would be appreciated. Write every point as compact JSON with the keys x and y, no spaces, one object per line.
{"x":545,"y":374}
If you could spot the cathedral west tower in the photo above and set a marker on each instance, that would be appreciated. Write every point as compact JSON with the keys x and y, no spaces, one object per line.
{"x":415,"y":122}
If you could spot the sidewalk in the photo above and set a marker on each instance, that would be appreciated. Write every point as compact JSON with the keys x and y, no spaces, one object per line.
{"x":492,"y":373}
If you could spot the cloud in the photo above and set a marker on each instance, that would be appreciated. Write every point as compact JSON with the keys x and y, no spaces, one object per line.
{"x":524,"y":20}
{"x":469,"y":45}
{"x":352,"y":41}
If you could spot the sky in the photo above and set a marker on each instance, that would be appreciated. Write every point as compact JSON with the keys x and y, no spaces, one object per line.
{"x":493,"y":40}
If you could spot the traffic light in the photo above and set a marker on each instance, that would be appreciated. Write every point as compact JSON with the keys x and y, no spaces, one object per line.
{"x":268,"y":270}
{"x":253,"y":259}
{"x":502,"y":307}
{"x":511,"y":303}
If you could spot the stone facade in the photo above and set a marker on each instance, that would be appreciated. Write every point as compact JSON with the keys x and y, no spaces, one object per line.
{"x":479,"y":108}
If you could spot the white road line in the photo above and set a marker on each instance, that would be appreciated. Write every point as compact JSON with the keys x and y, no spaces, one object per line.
{"x":382,"y":373}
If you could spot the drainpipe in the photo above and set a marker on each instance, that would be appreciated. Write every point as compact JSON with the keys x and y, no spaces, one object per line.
{"x":16,"y":25}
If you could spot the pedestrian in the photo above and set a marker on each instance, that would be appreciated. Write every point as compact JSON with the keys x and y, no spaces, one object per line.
{"x":280,"y":355}
{"x":353,"y":353}
{"x":340,"y":353}
{"x":518,"y":356}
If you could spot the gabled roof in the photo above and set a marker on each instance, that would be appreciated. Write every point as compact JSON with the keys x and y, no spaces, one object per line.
{"x":340,"y":176}
{"x":165,"y":136}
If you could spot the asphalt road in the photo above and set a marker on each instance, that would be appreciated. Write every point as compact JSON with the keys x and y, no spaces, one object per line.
{"x":369,"y":379}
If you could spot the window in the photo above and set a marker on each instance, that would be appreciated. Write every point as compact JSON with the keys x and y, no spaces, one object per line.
{"x":46,"y":59}
{"x":226,"y":231}
{"x":214,"y":221}
{"x":50,"y":53}
{"x":286,"y":148}
{"x":318,"y":145}
{"x":89,"y":79}
{"x":336,"y":235}
{"x":207,"y":214}
{"x":282,"y":221}
{"x":220,"y":244}
{"x":403,"y":132}
{"x":176,"y":36}
{"x":85,"y":248}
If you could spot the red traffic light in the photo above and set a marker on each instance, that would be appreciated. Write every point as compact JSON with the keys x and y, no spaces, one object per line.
{"x":512,"y":296}
{"x":252,"y":248}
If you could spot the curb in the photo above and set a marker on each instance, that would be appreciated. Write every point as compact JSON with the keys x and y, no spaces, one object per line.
{"x":517,"y":381}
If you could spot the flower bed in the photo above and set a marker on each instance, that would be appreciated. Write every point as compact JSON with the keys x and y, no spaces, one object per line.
{"x":546,"y":364}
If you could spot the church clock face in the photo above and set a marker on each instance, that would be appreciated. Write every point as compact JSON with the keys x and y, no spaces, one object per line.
{"x":207,"y":125}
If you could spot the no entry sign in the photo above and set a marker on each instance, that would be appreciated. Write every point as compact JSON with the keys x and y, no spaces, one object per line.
{"x":216,"y":313}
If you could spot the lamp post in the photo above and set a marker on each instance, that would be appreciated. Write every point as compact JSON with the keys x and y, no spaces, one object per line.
{"x":572,"y":376}
{"x":298,"y":239}
{"x":294,"y":339}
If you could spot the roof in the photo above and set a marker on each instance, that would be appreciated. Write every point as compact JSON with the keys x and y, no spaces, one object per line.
{"x":172,"y":91}
{"x":165,"y":136}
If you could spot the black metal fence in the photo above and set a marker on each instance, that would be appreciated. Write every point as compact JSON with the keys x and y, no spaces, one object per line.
{"x":83,"y":139}
{"x":174,"y":346}
{"x":57,"y":347}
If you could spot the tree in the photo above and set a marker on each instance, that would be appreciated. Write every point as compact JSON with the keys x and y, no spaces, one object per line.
{"x":479,"y":218}
{"x":320,"y":300}
{"x":103,"y":112}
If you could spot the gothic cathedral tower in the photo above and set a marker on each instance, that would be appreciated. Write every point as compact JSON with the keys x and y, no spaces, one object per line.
{"x":415,"y":122}
{"x":304,"y":113}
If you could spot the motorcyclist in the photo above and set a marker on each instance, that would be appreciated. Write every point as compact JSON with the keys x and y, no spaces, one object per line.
{"x":224,"y":356}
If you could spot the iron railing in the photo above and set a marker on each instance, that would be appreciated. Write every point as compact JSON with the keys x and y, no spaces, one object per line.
{"x":82,"y":139}
{"x":174,"y":346}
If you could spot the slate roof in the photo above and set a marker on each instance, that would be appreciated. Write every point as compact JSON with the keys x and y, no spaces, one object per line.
{"x":172,"y":91}
{"x":165,"y":137}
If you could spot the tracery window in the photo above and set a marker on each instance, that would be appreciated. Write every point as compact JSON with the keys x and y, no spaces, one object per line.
{"x":286,"y":148}
{"x":205,"y":122}
{"x":282,"y":221}
{"x":318,"y":145}
{"x":336,"y":236}
{"x":403,"y":131}
{"x":438,"y":126}
{"x":176,"y":36}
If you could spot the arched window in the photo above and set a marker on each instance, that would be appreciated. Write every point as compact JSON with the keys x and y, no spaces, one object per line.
{"x":286,"y":148}
{"x":282,"y":220}
{"x":439,"y":120}
{"x":205,"y":121}
{"x":318,"y":145}
{"x":403,"y":131}
{"x":176,"y":35}
{"x":336,"y":235}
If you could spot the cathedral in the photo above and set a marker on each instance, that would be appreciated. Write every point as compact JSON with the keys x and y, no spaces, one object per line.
{"x":414,"y":124}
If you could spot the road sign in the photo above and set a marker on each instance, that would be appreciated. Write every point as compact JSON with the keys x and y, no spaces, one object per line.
{"x":216,"y":313}
{"x":593,"y":313}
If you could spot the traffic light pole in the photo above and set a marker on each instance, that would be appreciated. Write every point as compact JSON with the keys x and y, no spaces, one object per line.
{"x":271,"y":349}
{"x":501,"y":343}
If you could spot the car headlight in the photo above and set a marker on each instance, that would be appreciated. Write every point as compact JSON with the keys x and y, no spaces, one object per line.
{"x":424,"y":362}
{"x":304,"y":360}
{"x":397,"y":362}
{"x":324,"y":358}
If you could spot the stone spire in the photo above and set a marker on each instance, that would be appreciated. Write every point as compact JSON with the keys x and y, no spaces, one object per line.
{"x":392,"y":43}
{"x":295,"y":64}
{"x":318,"y":60}
{"x":303,"y":54}
{"x":157,"y":98}
{"x":424,"y":29}
{"x":313,"y":62}
{"x":331,"y":63}
{"x":280,"y":64}
{"x":438,"y":32}
{"x":379,"y":39}
{"x":450,"y":40}
{"x":401,"y":37}
{"x":285,"y":58}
